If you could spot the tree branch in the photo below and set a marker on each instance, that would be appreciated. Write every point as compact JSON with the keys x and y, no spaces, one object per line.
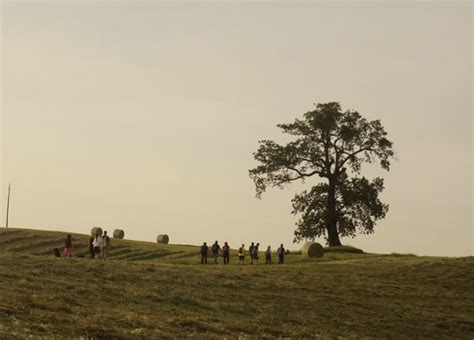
{"x":302,"y":174}
{"x":321,"y":166}
{"x":350,"y":155}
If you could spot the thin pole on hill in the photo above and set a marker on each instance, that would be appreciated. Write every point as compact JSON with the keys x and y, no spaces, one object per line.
{"x":8,"y":205}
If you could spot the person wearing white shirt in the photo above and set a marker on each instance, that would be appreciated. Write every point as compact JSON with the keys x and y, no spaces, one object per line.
{"x":97,"y":245}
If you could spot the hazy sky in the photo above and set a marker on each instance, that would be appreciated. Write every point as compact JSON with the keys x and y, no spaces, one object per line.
{"x":145,"y":115}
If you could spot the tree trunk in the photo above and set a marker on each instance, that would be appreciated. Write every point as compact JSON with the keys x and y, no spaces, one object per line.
{"x":333,"y":235}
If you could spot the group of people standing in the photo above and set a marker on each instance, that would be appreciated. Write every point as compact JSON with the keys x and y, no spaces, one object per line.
{"x":216,"y":250}
{"x":99,"y":246}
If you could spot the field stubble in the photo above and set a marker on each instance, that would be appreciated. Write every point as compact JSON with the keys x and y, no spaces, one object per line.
{"x":146,"y":290}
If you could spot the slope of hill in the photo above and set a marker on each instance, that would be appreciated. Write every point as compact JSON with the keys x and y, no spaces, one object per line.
{"x":146,"y":290}
{"x":39,"y":242}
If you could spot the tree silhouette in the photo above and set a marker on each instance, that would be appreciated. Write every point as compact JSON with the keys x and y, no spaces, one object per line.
{"x":333,"y":145}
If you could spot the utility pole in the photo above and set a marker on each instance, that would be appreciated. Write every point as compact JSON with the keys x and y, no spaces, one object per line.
{"x":8,"y":204}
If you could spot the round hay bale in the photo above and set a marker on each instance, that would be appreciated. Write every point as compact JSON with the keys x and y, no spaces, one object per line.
{"x":96,"y":231}
{"x":312,"y":249}
{"x":119,"y":233}
{"x":163,"y":239}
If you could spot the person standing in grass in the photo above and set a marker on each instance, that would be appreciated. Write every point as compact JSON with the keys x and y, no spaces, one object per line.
{"x":216,"y":248}
{"x":97,"y":245}
{"x":68,"y":246}
{"x":91,"y":246}
{"x":251,"y":252}
{"x":226,"y":253}
{"x":268,"y":255}
{"x":281,"y":254}
{"x":105,"y":245}
{"x":204,"y":252}
{"x":255,"y":253}
{"x":241,"y":254}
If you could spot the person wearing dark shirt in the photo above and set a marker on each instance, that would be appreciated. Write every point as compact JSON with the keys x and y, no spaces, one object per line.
{"x":255,"y":253}
{"x":105,"y":245}
{"x":281,"y":254}
{"x":91,"y":246}
{"x":252,"y":253}
{"x":216,"y":248}
{"x":268,"y":255}
{"x":68,"y":246}
{"x":204,"y":252}
{"x":226,"y":253}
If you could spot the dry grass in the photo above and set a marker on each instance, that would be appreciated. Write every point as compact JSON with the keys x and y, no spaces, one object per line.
{"x":148,"y":290}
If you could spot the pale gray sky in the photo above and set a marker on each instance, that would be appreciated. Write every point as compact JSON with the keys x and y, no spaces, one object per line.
{"x":145,"y":115}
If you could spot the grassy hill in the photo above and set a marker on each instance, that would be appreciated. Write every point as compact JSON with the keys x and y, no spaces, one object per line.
{"x":146,"y":290}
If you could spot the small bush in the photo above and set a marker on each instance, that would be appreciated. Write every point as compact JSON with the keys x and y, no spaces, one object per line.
{"x":344,"y":249}
{"x":402,"y":255}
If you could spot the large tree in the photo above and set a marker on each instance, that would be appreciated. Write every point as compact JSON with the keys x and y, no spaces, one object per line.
{"x":330,"y":144}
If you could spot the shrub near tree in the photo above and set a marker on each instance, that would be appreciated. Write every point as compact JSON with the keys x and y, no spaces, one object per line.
{"x":331,"y":144}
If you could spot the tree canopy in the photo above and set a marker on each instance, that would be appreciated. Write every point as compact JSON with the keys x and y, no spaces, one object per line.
{"x":331,"y":144}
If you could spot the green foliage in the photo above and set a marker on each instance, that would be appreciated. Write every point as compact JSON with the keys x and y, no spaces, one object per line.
{"x":332,"y":144}
{"x":358,"y":208}
{"x":343,"y":249}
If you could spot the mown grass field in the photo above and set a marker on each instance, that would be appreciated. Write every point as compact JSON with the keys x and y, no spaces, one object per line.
{"x":146,"y":290}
